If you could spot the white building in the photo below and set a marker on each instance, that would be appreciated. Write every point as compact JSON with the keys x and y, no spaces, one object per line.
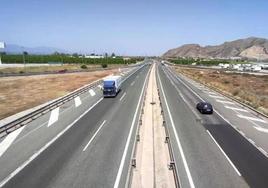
{"x":94,"y":56}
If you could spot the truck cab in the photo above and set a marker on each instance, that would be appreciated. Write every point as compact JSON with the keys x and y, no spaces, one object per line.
{"x":111,"y":86}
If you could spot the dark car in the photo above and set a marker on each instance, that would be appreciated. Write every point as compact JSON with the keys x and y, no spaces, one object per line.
{"x":204,"y":108}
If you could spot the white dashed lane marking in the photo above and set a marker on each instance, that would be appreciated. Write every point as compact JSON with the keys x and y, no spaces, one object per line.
{"x":261,"y":129}
{"x":236,"y":109}
{"x":225,"y":102}
{"x":212,"y":93}
{"x":77,"y":101}
{"x":4,"y":145}
{"x":53,"y":116}
{"x":217,"y":97}
{"x":251,"y":118}
{"x":123,"y":96}
{"x":95,"y":134}
{"x":132,"y":83}
{"x":92,"y":93}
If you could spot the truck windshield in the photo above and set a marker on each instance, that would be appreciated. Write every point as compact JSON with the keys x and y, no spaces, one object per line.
{"x":108,"y":84}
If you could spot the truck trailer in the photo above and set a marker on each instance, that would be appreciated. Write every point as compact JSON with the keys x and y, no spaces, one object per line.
{"x":111,"y":86}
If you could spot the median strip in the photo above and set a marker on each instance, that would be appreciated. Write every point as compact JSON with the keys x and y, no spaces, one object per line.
{"x":152,"y":157}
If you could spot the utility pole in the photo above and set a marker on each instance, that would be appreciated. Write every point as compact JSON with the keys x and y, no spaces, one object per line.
{"x":23,"y":58}
{"x":2,"y":46}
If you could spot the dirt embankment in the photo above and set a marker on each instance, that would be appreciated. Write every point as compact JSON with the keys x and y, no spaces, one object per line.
{"x":21,"y":93}
{"x":250,"y":89}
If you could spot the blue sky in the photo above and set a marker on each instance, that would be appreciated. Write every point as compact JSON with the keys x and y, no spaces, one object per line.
{"x":137,"y":27}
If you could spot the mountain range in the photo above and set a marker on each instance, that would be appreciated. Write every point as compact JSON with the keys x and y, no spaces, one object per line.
{"x":17,"y":49}
{"x":251,"y":48}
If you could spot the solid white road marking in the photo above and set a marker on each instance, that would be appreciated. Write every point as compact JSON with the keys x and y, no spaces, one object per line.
{"x":132,"y":83}
{"x":251,"y":141}
{"x":262,"y":150}
{"x":122,"y":162}
{"x":4,"y":145}
{"x":224,"y":153}
{"x":251,"y":118}
{"x":95,"y":134}
{"x":53,"y":116}
{"x":236,"y":109}
{"x":122,"y":96}
{"x":190,"y":179}
{"x":216,"y":96}
{"x":225,"y":102}
{"x":33,"y":157}
{"x":92,"y":93}
{"x":261,"y":129}
{"x":77,"y":101}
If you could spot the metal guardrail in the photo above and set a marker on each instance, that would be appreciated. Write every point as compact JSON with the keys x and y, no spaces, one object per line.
{"x":172,"y":165}
{"x":13,"y":125}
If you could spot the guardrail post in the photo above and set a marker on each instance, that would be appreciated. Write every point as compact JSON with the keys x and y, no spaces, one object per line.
{"x":171,"y":165}
{"x":164,"y":123}
{"x":133,"y":163}
{"x":138,"y":138}
{"x":166,"y":139}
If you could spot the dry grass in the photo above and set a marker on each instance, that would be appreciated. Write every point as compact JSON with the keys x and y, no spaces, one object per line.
{"x":250,"y":89}
{"x":51,"y":68}
{"x":21,"y":93}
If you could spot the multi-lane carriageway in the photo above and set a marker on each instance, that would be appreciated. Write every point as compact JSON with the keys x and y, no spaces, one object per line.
{"x":87,"y":142}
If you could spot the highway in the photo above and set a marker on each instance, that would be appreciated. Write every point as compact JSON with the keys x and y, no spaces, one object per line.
{"x":88,"y":141}
{"x":210,"y":152}
{"x":86,"y":147}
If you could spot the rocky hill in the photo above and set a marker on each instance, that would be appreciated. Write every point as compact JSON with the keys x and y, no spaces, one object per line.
{"x":250,"y":48}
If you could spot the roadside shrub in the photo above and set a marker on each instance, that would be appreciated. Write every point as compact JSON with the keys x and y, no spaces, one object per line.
{"x":226,"y":81}
{"x":235,"y":92}
{"x":83,"y":67}
{"x":212,"y":75}
{"x":236,"y":84}
{"x":104,"y":65}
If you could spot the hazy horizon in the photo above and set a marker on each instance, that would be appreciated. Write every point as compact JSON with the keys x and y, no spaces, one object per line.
{"x":129,"y":28}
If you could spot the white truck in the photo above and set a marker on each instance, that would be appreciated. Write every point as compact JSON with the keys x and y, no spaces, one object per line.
{"x":111,"y":86}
